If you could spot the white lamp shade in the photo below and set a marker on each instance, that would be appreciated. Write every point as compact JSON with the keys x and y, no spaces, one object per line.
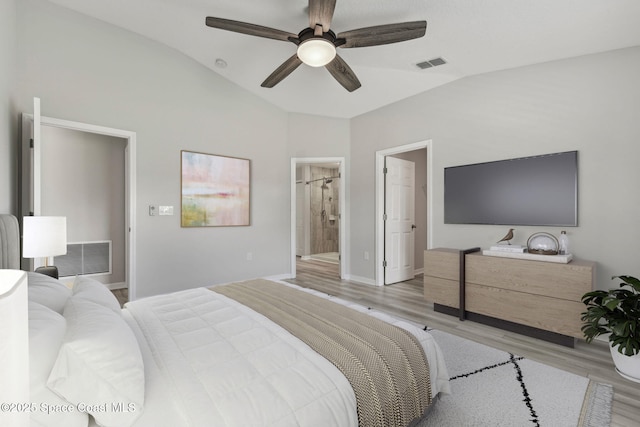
{"x":316,"y":52}
{"x":44,"y":236}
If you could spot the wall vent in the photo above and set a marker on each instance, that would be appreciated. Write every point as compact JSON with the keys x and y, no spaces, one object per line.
{"x":431,"y":63}
{"x":85,"y":258}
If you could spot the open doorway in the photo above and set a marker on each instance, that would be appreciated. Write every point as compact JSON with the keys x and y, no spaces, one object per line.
{"x":422,"y":226}
{"x":317,"y":215}
{"x":33,"y":184}
{"x":91,"y":195}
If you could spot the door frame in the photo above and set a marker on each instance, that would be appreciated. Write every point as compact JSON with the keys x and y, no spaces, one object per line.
{"x":380,"y":195}
{"x":342,"y":250}
{"x":130,"y":183}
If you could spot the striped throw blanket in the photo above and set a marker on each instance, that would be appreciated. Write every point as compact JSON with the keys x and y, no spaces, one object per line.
{"x":386,"y":365}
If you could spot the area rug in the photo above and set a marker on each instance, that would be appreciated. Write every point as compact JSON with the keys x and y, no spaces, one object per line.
{"x":490,"y":387}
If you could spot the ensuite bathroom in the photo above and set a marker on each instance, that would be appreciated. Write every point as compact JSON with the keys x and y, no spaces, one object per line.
{"x":317,"y":212}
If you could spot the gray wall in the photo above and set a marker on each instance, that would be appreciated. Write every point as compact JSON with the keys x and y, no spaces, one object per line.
{"x":590,"y":104}
{"x":320,"y":137}
{"x":88,"y":71}
{"x":83,"y":179}
{"x":8,"y":123}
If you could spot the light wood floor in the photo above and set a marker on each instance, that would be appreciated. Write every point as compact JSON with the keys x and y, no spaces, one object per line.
{"x":406,"y":300}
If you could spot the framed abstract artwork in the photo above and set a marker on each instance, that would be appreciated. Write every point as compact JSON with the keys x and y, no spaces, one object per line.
{"x":215,"y":190}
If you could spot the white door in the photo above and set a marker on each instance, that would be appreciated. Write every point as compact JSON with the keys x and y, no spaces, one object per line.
{"x":30,"y":155}
{"x":400,"y":220}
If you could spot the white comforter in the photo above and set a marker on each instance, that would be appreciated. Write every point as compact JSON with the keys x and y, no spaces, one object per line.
{"x":212,"y":361}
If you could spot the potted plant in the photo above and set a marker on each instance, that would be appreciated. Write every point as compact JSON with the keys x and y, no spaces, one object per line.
{"x":617,"y":312}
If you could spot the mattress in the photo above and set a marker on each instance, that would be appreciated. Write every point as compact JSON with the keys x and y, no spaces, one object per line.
{"x":210,"y":360}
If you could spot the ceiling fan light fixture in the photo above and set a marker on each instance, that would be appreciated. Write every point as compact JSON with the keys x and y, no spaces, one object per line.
{"x":316,"y":52}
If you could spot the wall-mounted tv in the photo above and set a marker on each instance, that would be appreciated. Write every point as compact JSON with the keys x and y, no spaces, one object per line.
{"x":536,"y":190}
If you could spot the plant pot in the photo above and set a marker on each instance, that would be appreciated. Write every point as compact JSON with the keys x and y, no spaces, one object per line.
{"x":627,"y":366}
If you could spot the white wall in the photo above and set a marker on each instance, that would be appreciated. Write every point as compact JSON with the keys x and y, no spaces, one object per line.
{"x":590,"y":104}
{"x":8,"y":153}
{"x":88,"y":71}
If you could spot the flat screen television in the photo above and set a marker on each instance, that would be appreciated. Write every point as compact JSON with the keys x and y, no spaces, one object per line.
{"x":537,"y":190}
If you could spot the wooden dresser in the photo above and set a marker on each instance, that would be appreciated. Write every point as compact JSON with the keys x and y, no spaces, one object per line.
{"x":536,"y":298}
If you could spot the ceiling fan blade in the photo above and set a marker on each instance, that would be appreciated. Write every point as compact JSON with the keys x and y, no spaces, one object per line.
{"x":250,"y":29}
{"x":383,"y":34}
{"x":321,"y":12}
{"x":282,"y":71}
{"x":343,"y":74}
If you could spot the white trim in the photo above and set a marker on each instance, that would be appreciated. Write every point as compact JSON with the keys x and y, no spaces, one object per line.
{"x":130,"y":186}
{"x":343,"y":250}
{"x":276,"y":277}
{"x":359,"y":279}
{"x":379,"y":191}
{"x":36,"y":159}
{"x":115,"y":286}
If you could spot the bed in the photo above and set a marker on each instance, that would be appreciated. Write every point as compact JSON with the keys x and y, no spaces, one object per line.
{"x":258,"y":352}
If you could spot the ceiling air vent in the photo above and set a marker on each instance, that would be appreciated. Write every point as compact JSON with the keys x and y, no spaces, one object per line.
{"x":431,"y":63}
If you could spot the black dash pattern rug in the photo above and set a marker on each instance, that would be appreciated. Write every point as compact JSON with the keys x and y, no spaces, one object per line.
{"x":490,"y":387}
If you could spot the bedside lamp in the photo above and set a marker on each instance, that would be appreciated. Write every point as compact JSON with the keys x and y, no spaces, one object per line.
{"x":44,"y":237}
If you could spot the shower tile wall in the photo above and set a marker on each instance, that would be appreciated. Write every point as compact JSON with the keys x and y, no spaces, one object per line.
{"x":324,"y":229}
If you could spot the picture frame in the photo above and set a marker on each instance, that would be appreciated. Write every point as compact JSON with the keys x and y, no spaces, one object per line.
{"x":215,"y":190}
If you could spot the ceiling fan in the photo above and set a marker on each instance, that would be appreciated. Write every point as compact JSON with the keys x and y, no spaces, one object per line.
{"x":317,"y":44}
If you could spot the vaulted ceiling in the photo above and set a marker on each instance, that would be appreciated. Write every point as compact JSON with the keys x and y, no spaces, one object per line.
{"x":472,"y":36}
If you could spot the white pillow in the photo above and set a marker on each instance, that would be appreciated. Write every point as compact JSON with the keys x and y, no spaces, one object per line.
{"x":99,"y":364}
{"x":46,"y":332}
{"x":94,"y":291}
{"x":47,"y":291}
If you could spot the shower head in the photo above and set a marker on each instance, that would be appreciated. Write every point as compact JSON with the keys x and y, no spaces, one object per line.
{"x":325,"y":180}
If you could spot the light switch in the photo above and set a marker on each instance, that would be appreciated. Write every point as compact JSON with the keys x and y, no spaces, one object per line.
{"x":166,"y":210}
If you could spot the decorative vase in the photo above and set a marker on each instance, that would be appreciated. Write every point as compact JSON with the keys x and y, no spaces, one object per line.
{"x":627,"y":366}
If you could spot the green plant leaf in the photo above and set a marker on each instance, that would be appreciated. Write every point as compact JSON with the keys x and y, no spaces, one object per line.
{"x":629,"y":280}
{"x":628,"y":347}
{"x":617,"y":312}
{"x":594,"y":296}
{"x":610,"y":303}
{"x":621,"y":329}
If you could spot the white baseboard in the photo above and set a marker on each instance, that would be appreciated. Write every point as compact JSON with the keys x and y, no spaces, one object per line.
{"x":118,"y":285}
{"x":364,"y":280}
{"x":279,"y":277}
{"x":68,"y":281}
